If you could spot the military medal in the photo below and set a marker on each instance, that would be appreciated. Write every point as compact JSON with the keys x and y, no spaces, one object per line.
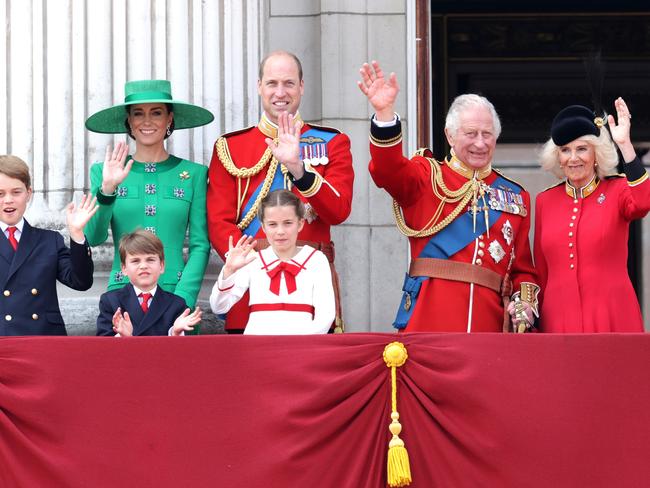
{"x":508,"y":233}
{"x":314,"y":150}
{"x":496,"y":251}
{"x":505,"y":200}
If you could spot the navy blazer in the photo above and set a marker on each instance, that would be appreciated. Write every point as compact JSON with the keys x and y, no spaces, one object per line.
{"x":29,"y":304}
{"x":164,"y":309}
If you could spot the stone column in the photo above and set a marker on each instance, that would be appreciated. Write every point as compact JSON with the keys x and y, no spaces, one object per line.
{"x":332,"y":39}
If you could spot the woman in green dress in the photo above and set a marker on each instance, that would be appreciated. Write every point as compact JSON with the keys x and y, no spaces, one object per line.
{"x":152,"y":189}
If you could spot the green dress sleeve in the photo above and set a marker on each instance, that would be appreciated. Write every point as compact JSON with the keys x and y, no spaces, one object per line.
{"x":189,"y":285}
{"x":97,"y":228}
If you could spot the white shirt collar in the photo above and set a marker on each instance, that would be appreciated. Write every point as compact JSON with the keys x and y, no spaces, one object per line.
{"x":4,"y":226}
{"x":152,"y":291}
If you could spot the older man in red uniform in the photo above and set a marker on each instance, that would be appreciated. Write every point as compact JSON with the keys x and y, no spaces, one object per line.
{"x":244,"y":169}
{"x":467,"y":224}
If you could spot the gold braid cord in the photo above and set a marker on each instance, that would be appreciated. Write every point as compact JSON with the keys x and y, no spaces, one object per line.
{"x":226,"y":159}
{"x":463,"y":196}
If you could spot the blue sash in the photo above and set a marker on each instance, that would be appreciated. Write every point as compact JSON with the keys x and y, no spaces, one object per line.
{"x":313,"y":137}
{"x":453,"y":238}
{"x":277,"y":184}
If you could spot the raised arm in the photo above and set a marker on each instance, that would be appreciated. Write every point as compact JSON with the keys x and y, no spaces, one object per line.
{"x":381,"y":93}
{"x":620,"y":130}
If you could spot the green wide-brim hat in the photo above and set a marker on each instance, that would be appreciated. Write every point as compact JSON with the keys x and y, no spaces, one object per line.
{"x":111,"y":120}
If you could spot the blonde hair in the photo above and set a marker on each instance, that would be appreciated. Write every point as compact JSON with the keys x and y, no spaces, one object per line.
{"x":604,"y":149}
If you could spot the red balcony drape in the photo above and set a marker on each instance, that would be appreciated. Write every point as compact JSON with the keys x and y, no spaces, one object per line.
{"x":486,"y":410}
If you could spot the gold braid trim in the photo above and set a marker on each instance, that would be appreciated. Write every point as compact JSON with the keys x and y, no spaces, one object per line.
{"x":250,"y":215}
{"x":463,"y":196}
{"x":226,"y":159}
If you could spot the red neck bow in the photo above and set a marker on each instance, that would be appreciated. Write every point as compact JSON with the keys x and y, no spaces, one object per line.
{"x":289,"y":271}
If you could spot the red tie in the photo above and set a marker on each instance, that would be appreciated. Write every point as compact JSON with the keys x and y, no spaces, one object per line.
{"x":12,"y":237}
{"x":289,"y":271}
{"x":145,"y":301}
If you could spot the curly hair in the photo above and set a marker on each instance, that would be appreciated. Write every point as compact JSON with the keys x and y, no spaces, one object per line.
{"x":604,"y":149}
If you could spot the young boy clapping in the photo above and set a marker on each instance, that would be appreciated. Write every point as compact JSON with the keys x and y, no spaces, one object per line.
{"x":142,"y":307}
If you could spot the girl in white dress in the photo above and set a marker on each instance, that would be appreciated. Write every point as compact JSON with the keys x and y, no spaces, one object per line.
{"x":290,"y":286}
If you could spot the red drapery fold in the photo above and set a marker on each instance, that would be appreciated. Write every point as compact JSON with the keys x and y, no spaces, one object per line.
{"x":485,"y":410}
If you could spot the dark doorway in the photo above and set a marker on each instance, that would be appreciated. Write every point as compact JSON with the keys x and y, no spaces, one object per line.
{"x":528,"y":59}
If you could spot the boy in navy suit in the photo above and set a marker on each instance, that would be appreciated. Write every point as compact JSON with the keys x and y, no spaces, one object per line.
{"x":142,"y":307}
{"x":32,"y":259}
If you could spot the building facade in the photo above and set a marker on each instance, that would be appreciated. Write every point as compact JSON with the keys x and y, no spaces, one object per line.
{"x":62,"y":60}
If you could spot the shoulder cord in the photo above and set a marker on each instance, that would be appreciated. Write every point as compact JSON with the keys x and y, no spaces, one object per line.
{"x":463,"y":195}
{"x":226,"y":159}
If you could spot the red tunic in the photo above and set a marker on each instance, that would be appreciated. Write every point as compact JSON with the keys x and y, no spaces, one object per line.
{"x":581,"y":257}
{"x":331,"y":203}
{"x":443,"y":305}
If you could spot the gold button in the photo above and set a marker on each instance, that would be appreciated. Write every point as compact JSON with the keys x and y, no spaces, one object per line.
{"x":480,"y":237}
{"x":7,"y":318}
{"x":575,"y":210}
{"x":571,"y":266}
{"x":481,"y":245}
{"x":570,"y":244}
{"x":570,"y":234}
{"x":573,"y":218}
{"x":480,"y":252}
{"x":575,"y":201}
{"x":571,"y":224}
{"x":34,"y":291}
{"x":35,"y":316}
{"x":571,"y":255}
{"x":7,"y":293}
{"x":479,"y":261}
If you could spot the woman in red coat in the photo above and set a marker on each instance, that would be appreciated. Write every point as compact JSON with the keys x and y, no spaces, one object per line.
{"x":582,"y":224}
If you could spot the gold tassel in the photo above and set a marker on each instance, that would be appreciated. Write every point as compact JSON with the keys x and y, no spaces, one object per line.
{"x":398,"y":465}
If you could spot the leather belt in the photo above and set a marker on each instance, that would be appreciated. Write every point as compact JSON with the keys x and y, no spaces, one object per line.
{"x":456,"y":271}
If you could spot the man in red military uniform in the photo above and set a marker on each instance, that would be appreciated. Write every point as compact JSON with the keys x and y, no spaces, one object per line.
{"x":467,"y":224}
{"x":244,"y":169}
